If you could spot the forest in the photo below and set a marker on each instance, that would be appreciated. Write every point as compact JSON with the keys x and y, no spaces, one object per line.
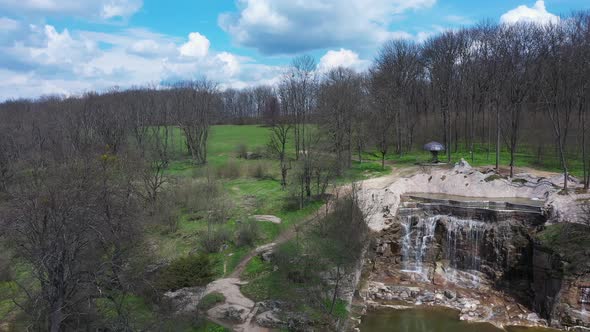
{"x":110,"y":199}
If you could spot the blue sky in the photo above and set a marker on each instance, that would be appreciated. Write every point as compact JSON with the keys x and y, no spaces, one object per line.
{"x":72,"y":46}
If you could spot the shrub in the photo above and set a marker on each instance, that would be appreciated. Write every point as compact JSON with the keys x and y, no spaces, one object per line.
{"x":165,"y":212}
{"x":211,"y":243}
{"x":210,"y":300}
{"x":188,"y":271}
{"x":229,"y":170}
{"x":242,"y":151}
{"x":195,"y":195}
{"x":5,"y":271}
{"x":259,"y":170}
{"x":248,"y":233}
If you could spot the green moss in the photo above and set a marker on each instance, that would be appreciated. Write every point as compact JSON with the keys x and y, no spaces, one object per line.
{"x":189,"y":271}
{"x":520,"y":181}
{"x":210,"y":300}
{"x":493,"y":177}
{"x":570,"y":241}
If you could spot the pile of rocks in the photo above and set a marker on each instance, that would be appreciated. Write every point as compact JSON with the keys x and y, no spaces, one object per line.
{"x":379,"y":295}
{"x":282,"y":315}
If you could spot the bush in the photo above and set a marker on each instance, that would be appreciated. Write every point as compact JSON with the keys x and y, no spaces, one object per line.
{"x":165,"y":212}
{"x":189,"y":271}
{"x":196,"y":195}
{"x":230,"y":170}
{"x":242,"y":151}
{"x":5,"y":271}
{"x":259,"y":170}
{"x":247,"y":234}
{"x":211,"y":243}
{"x":210,"y":300}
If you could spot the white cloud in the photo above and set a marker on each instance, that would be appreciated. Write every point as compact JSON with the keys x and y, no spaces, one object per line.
{"x":197,"y":46}
{"x":288,"y":26}
{"x":231,"y":63}
{"x":536,"y":14}
{"x":103,"y":9}
{"x":8,"y":24}
{"x":45,"y":60}
{"x":341,"y":58}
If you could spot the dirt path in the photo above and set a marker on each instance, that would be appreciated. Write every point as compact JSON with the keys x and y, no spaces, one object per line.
{"x":291,"y":232}
{"x":230,"y":286}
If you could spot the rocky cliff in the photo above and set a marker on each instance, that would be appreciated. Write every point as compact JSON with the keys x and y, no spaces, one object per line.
{"x":491,"y":255}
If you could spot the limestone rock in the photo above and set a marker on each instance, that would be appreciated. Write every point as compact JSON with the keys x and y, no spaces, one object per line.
{"x":269,"y":218}
{"x":185,"y":300}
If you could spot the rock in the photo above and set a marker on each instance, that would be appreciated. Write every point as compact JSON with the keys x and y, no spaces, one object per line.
{"x":269,"y":218}
{"x":450,"y":294}
{"x":185,"y":300}
{"x":533,"y":317}
{"x":439,"y":297}
{"x":230,"y":312}
{"x":462,"y":165}
{"x":428,"y":298}
{"x":270,"y":320}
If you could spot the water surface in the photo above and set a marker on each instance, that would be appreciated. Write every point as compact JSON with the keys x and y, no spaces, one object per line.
{"x":428,"y":320}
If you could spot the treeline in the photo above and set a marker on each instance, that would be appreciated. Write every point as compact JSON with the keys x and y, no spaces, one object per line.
{"x":489,"y":87}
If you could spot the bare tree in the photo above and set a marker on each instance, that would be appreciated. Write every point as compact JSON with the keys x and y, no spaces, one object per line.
{"x":195,"y":104}
{"x":280,"y":133}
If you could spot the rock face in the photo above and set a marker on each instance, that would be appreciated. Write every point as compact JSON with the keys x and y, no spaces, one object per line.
{"x":563,"y":298}
{"x":456,"y":254}
{"x":444,"y":249}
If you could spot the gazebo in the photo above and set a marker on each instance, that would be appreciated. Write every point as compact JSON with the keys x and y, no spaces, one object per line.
{"x":434,"y":148}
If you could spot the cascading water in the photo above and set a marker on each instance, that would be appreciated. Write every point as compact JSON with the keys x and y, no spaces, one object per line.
{"x":467,"y":234}
{"x":417,"y":237}
{"x":585,"y":295}
{"x":585,"y":299}
{"x":461,"y":246}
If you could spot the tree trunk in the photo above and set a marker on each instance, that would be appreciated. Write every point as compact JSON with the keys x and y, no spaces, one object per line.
{"x":497,"y":139}
{"x":335,"y":295}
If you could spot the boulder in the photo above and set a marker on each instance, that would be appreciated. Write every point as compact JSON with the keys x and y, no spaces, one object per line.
{"x":269,"y":319}
{"x":269,"y":218}
{"x":185,"y":300}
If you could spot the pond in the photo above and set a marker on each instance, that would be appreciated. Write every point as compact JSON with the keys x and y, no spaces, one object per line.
{"x":428,"y":320}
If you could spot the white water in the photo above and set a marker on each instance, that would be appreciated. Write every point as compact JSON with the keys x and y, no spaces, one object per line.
{"x":419,"y":237}
{"x":584,"y":299}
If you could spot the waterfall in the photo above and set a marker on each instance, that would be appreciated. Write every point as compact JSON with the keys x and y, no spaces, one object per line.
{"x":462,"y":245}
{"x":584,"y":299}
{"x":585,"y":295}
{"x":469,"y":235}
{"x":417,"y":239}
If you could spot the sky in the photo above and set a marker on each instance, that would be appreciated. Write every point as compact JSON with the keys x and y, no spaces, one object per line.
{"x":69,"y":47}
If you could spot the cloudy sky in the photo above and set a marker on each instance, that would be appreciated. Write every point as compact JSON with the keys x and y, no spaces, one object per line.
{"x":71,"y":46}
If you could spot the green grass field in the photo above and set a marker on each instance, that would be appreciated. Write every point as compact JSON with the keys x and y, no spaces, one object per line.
{"x":525,"y":157}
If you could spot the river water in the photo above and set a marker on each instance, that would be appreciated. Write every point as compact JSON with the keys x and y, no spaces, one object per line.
{"x":428,"y":320}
